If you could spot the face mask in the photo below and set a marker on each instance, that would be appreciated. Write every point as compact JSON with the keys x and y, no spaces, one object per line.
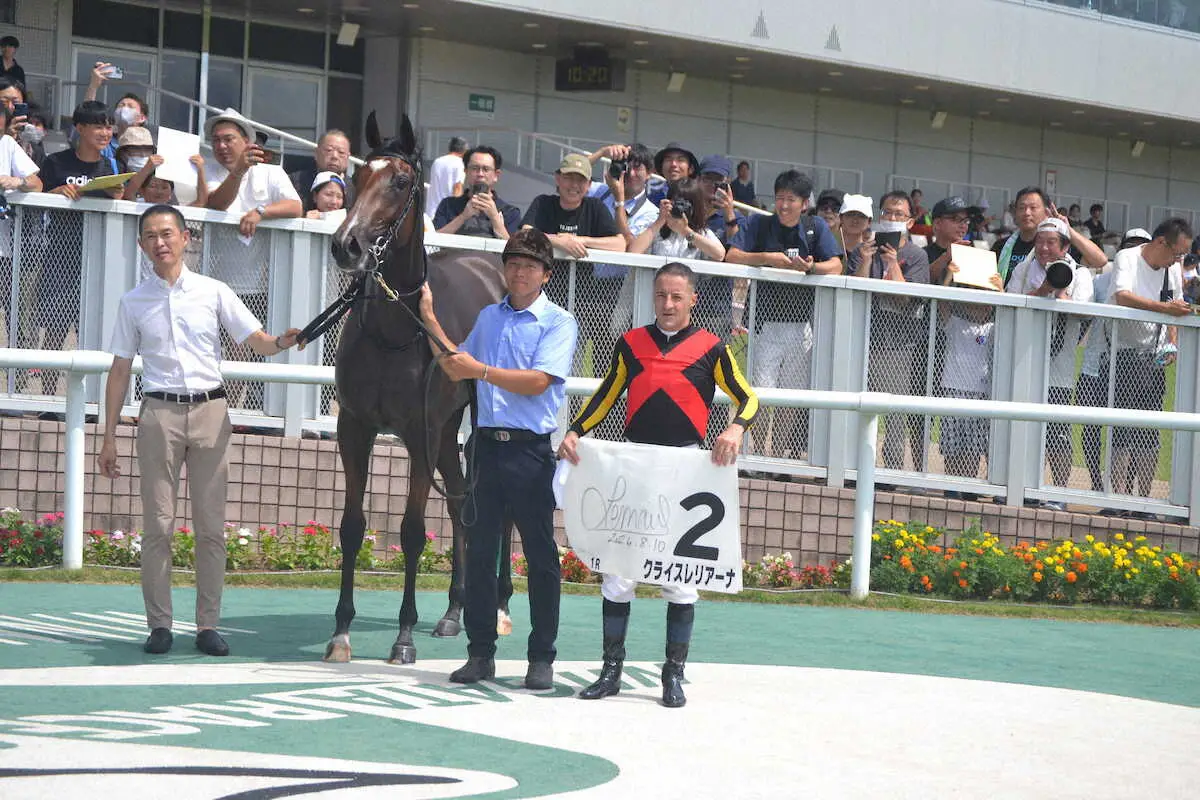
{"x":891,"y":226}
{"x":31,"y":134}
{"x":126,"y":116}
{"x":135,"y":163}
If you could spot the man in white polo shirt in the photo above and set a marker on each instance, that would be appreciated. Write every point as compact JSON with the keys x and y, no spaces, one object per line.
{"x":174,"y":322}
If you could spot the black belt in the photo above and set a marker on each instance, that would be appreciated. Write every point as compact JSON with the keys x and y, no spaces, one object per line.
{"x":198,"y":397}
{"x":513,"y":435}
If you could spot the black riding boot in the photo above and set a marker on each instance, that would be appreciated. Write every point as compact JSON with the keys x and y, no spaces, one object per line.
{"x":616,"y":621}
{"x":679,"y":635}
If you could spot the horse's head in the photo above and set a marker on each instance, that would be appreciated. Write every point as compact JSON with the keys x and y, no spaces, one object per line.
{"x":388,"y":211}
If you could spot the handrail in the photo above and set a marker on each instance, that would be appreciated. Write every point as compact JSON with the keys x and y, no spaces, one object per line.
{"x":869,"y":406}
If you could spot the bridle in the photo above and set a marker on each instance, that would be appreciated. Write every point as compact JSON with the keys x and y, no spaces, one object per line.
{"x":378,"y":250}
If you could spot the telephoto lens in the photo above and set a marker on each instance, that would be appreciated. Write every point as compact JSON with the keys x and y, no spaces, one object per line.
{"x":1059,"y":274}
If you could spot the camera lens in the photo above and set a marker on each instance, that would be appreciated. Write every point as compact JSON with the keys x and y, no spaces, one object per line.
{"x":617,"y":168}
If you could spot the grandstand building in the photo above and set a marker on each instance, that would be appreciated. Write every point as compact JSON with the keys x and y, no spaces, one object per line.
{"x":1087,"y":98}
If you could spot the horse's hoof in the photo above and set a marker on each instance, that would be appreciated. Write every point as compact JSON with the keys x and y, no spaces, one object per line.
{"x":403,"y":654}
{"x":338,"y":652}
{"x":446,"y":628}
{"x":503,"y":623}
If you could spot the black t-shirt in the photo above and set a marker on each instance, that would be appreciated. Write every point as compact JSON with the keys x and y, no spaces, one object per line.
{"x":591,"y":218}
{"x":1095,"y":227}
{"x":934,"y":251}
{"x":65,"y":167}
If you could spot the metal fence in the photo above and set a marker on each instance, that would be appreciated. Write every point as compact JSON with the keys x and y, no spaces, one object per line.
{"x":69,"y":264}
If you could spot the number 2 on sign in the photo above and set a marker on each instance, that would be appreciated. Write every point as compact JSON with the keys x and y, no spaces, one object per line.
{"x":687,"y":547}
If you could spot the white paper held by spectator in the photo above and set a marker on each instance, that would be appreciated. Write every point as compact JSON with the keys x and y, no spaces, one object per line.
{"x":975,"y":267}
{"x":176,"y":147}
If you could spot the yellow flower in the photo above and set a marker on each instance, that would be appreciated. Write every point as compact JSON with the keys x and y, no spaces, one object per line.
{"x":1140,"y":539}
{"x":1059,"y":569}
{"x":1134,"y":570}
{"x":1090,"y":538}
{"x":899,"y":543}
{"x":1120,"y":537}
{"x":1127,"y":576}
{"x":928,"y":529}
{"x":875,"y":537}
{"x":1157,"y":563}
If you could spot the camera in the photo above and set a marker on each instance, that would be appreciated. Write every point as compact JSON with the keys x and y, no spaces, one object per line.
{"x":681,"y":207}
{"x":617,"y":168}
{"x":1059,"y":274}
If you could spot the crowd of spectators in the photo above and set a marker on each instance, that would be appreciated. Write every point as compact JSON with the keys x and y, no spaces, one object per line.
{"x":674,"y":204}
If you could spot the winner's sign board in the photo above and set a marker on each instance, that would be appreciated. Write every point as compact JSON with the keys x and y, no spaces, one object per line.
{"x":661,"y":515}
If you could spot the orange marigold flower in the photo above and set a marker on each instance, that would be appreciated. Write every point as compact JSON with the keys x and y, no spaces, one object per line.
{"x":1037,"y":577}
{"x":956,"y":573}
{"x":962,"y":565}
{"x":979,"y":551}
{"x":1072,"y":577}
{"x":962,"y":582}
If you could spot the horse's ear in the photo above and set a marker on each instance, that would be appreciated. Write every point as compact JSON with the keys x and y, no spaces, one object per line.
{"x":374,"y":140}
{"x":408,"y":137}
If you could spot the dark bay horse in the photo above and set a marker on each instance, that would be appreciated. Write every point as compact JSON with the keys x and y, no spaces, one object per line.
{"x":384,"y":382}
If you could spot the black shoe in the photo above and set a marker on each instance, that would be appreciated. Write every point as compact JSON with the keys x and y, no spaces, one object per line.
{"x":210,"y":643}
{"x":610,"y":674}
{"x":159,"y":641}
{"x":477,"y":668}
{"x":539,"y":676}
{"x":672,"y":675}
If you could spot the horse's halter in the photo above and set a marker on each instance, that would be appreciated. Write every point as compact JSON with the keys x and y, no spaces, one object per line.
{"x":379,"y":249}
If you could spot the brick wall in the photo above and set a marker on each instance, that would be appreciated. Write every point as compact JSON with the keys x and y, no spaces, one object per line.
{"x":275,"y":479}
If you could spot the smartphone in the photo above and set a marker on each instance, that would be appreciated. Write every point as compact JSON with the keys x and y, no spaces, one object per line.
{"x":888,"y":237}
{"x":724,"y":187}
{"x":114,"y":72}
{"x":20,"y":110}
{"x":269,"y":156}
{"x":480,"y":188}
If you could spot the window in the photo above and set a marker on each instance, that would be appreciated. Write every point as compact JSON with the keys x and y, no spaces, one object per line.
{"x":347,"y":59}
{"x":180,"y":74}
{"x":287,"y":45}
{"x":182,"y":31}
{"x":226,"y":37}
{"x":117,"y":22}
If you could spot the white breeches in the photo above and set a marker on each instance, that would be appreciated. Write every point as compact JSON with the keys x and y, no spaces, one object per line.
{"x":620,"y":590}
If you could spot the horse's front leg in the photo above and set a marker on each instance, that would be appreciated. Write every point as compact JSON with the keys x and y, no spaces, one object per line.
{"x":412,"y":543}
{"x":450,"y":468}
{"x":355,"y":441}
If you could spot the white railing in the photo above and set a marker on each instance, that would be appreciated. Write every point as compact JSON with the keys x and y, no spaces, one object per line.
{"x":303,"y":280}
{"x":868,"y":406}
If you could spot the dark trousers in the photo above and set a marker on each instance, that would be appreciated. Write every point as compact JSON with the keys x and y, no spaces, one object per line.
{"x":513,"y":481}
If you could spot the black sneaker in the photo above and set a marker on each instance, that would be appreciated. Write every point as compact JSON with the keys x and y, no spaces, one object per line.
{"x":539,"y":676}
{"x":210,"y":643}
{"x":159,"y":641}
{"x":477,"y":668}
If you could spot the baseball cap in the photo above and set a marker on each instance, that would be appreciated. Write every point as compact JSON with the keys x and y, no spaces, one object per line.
{"x":231,"y":116}
{"x":831,"y":197}
{"x":950,"y":205}
{"x":1136,"y":236}
{"x":717,"y":165}
{"x":1056,"y":225}
{"x":857,"y":202}
{"x":575,"y":164}
{"x":327,"y":177}
{"x":135,"y":136}
{"x":531,"y":243}
{"x":678,"y":148}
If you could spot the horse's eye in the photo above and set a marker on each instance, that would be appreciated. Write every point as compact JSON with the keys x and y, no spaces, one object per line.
{"x":401,"y":180}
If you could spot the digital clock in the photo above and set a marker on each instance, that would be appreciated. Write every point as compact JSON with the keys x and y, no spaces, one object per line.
{"x":595,"y":75}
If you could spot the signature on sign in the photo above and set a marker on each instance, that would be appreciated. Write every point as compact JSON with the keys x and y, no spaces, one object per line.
{"x":600,"y":513}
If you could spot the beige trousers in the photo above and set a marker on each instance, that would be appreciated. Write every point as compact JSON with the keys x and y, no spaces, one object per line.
{"x":169,"y":436}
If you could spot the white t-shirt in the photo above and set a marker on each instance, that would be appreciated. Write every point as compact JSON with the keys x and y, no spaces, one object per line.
{"x":968,"y":364}
{"x":240,"y":264}
{"x":446,"y":171}
{"x":1029,"y":275}
{"x":14,"y":163}
{"x":1131,"y":273}
{"x":1097,"y":341}
{"x":177,"y":331}
{"x":676,"y":246}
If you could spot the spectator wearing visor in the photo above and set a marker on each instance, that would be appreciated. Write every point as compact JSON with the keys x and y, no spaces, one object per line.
{"x":327,"y":195}
{"x":1029,"y":209}
{"x":854,"y":219}
{"x":1096,"y":369}
{"x":1051,"y":272}
{"x":479,"y":210}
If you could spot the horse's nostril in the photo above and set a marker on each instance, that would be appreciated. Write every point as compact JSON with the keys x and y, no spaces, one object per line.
{"x":353,"y":248}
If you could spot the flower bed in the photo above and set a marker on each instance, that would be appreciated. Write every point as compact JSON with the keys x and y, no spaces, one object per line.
{"x":909,"y":558}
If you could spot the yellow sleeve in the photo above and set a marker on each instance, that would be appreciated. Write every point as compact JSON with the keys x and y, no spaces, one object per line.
{"x":605,"y":397}
{"x":731,"y":381}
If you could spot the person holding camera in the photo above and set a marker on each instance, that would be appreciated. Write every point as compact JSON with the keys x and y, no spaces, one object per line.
{"x":899,"y":332}
{"x":1051,"y":272}
{"x":479,"y":211}
{"x":1029,"y":209}
{"x":1147,"y":277}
